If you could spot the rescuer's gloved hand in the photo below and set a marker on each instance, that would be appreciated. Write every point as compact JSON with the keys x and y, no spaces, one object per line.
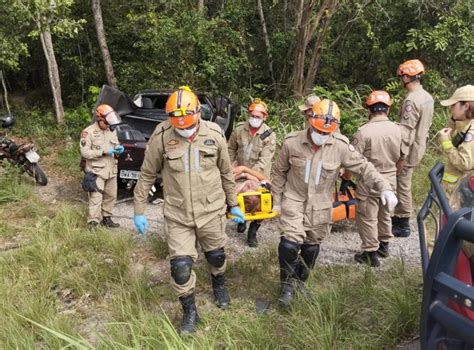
{"x":239,"y":216}
{"x":141,"y":223}
{"x":119,"y":149}
{"x":389,"y":199}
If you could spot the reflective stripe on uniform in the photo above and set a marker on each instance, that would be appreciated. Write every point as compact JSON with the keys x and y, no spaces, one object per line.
{"x":318,"y":173}
{"x":196,"y":159}
{"x":307,"y":171}
{"x":450,"y":178}
{"x":186,"y":160}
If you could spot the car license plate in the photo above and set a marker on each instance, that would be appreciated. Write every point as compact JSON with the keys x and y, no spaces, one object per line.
{"x":129,"y":174}
{"x":32,"y":156}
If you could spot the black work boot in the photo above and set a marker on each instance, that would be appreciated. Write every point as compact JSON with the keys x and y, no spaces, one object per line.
{"x":309,"y":254}
{"x":221,"y":294}
{"x":288,"y":259}
{"x":383,"y":251}
{"x":107,"y":221}
{"x":369,"y":258}
{"x":252,"y":234}
{"x":400,"y":227}
{"x":241,"y":227}
{"x":190,"y":315}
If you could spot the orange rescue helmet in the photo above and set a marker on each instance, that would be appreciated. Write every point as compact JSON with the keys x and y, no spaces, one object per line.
{"x":378,"y":96}
{"x":107,"y":115}
{"x":258,"y":108}
{"x":325,"y":116}
{"x":411,"y":68}
{"x":183,"y":108}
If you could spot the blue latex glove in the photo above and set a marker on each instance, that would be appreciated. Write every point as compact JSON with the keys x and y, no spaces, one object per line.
{"x":141,"y":223}
{"x":239,"y":216}
{"x":119,"y":149}
{"x":111,"y":152}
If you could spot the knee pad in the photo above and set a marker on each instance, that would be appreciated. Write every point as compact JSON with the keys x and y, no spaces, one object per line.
{"x":216,"y":257}
{"x":288,"y":250}
{"x":181,"y":269}
{"x":309,"y":253}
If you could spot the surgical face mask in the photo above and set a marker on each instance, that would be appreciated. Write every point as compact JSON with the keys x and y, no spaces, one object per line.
{"x":186,"y":132}
{"x":255,"y":122}
{"x":318,"y":139}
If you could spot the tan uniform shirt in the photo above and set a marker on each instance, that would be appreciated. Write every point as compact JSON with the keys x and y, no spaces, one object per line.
{"x":255,"y":152}
{"x":460,"y":159}
{"x":197,"y":176}
{"x":416,"y":116}
{"x":94,"y":145}
{"x":380,"y":141}
{"x":303,"y":175}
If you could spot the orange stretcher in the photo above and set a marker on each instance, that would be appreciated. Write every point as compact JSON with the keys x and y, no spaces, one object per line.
{"x":344,"y":202}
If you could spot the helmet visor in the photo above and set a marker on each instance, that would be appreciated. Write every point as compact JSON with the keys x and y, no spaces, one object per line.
{"x":113,"y":118}
{"x":324,"y":123}
{"x":183,"y":122}
{"x":181,"y":112}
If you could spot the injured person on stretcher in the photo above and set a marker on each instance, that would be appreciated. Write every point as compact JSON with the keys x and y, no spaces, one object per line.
{"x":253,"y":193}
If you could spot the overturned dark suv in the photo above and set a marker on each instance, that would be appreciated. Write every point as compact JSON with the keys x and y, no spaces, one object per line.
{"x":142,"y":113}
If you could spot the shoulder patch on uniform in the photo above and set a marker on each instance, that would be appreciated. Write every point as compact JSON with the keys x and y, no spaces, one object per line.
{"x":84,"y":134}
{"x":407,"y":108}
{"x":172,"y":142}
{"x":267,"y":133}
{"x":468,"y":137}
{"x":209,"y":142}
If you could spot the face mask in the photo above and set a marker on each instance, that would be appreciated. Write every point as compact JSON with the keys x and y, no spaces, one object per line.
{"x":255,"y":122}
{"x":318,"y":138}
{"x":186,"y":132}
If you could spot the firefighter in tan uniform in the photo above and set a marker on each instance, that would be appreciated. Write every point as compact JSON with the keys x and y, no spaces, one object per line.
{"x":100,"y":148}
{"x":457,"y":142}
{"x":379,"y":141}
{"x":416,"y":115}
{"x":197,"y":185}
{"x":252,"y":144}
{"x":303,"y":179}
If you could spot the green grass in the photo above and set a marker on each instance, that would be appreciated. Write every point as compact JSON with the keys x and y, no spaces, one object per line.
{"x":71,"y":287}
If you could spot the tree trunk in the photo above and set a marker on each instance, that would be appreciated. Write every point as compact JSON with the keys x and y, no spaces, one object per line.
{"x":5,"y":91}
{"x":306,"y":25}
{"x":313,"y":65}
{"x":200,"y":5}
{"x":99,"y":26}
{"x":300,"y":48}
{"x":267,"y":43}
{"x":53,"y":72}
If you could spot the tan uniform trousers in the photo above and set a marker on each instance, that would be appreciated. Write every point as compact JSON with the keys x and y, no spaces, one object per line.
{"x":102,"y":204}
{"x":373,"y":222}
{"x":182,"y":242}
{"x":304,"y":226}
{"x":404,"y":208}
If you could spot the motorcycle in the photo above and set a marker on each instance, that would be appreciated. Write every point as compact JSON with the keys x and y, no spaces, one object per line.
{"x":24,"y":155}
